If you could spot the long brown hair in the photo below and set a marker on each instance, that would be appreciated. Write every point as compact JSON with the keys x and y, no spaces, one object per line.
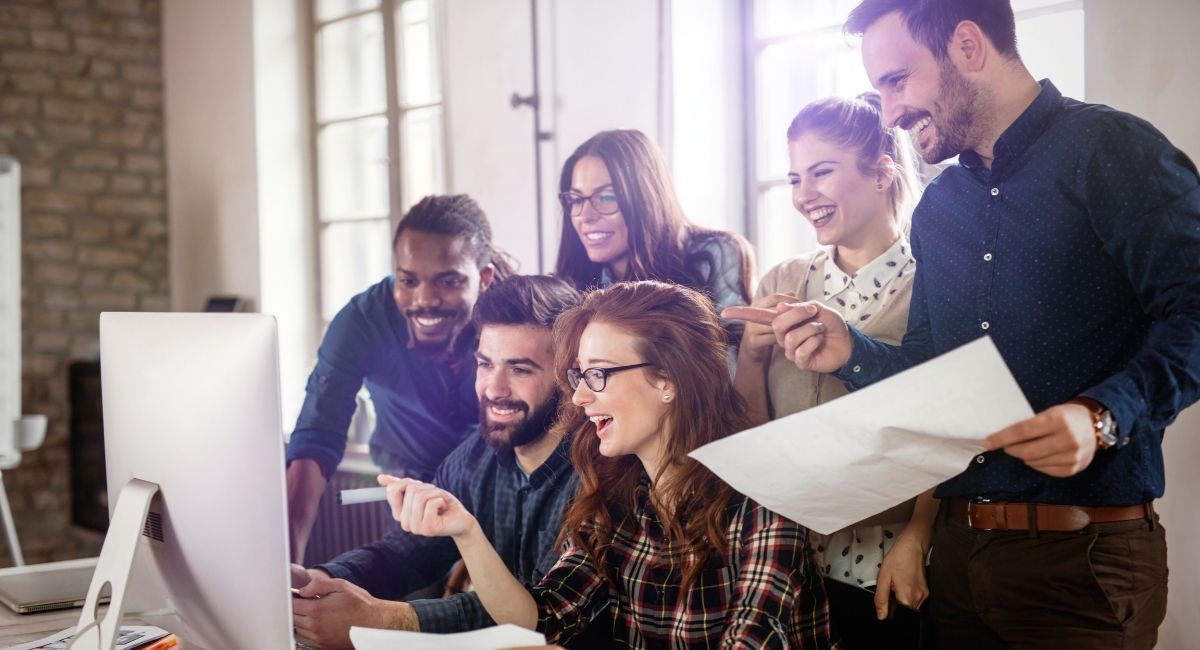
{"x":663,"y":243}
{"x":677,"y":332}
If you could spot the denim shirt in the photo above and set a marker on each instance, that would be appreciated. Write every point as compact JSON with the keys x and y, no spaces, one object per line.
{"x":1078,"y":252}
{"x":520,"y":515}
{"x":425,"y":403}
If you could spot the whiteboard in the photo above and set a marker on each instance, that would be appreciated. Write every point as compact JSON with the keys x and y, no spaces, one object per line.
{"x":10,"y":291}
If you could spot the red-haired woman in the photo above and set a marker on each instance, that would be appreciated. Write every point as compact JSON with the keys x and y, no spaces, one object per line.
{"x":658,"y":548}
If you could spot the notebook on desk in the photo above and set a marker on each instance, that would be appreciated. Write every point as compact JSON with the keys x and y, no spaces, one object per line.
{"x":44,"y":587}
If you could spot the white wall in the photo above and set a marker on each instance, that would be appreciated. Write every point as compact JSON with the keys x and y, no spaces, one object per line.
{"x":212,"y":182}
{"x":237,"y":168}
{"x":1141,"y":58}
{"x":287,"y":248}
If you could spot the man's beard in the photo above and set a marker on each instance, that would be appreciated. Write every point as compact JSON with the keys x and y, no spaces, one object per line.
{"x":957,"y":121}
{"x":533,"y":426}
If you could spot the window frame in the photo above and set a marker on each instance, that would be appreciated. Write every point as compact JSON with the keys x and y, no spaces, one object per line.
{"x":395,"y":112}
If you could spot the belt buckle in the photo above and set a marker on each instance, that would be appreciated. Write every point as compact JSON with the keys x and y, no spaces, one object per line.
{"x":971,"y":511}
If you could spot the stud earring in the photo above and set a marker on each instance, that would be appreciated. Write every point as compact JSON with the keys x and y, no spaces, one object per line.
{"x":879,"y":185}
{"x":666,"y":398}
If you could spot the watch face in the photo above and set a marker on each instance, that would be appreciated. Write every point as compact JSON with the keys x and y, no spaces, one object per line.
{"x":1106,"y":434}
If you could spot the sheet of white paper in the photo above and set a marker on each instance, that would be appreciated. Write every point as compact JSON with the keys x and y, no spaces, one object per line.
{"x":841,"y":462}
{"x":489,"y":638}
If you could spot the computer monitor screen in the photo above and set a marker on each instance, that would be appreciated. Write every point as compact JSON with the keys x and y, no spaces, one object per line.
{"x":191,"y":403}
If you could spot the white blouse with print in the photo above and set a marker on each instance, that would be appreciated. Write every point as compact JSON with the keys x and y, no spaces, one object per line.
{"x":855,"y":555}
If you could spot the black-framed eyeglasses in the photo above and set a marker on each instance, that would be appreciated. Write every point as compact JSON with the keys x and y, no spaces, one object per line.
{"x":596,"y":378}
{"x":604,"y":201}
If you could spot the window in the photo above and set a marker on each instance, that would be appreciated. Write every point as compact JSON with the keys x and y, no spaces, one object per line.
{"x":796,"y":53}
{"x":380,"y":143}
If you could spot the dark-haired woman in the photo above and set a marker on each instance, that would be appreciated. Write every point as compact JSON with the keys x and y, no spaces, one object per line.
{"x":659,"y":550}
{"x":623,"y":221}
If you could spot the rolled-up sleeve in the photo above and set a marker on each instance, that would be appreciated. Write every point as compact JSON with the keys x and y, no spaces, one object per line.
{"x":778,"y":599}
{"x":343,"y":360}
{"x":569,"y":596}
{"x":458,"y":613}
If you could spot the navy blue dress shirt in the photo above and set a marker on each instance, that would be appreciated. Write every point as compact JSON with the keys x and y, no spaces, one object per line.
{"x":521,"y":515}
{"x":1078,"y":252}
{"x":425,"y":403}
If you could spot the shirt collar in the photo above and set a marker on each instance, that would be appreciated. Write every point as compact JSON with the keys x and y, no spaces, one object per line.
{"x":1024,"y":131}
{"x":556,"y":464}
{"x":875,"y":275}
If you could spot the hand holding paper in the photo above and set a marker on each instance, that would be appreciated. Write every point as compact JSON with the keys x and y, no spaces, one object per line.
{"x":841,"y":462}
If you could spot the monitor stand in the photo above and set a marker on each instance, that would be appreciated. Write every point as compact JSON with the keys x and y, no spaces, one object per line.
{"x":114,"y":566}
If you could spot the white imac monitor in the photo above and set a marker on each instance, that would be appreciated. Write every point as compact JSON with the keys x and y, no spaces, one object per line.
{"x":191,"y":404}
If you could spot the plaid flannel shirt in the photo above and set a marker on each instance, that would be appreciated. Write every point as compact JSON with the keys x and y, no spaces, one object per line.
{"x":762,"y":593}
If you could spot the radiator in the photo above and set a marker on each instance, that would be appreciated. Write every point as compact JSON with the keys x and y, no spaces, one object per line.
{"x":341,"y":528}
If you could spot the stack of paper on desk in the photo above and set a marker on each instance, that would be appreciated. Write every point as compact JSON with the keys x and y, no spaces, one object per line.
{"x":841,"y":462}
{"x":491,"y":638}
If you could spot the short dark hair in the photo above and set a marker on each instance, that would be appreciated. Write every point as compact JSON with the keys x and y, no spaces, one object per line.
{"x":524,"y":300}
{"x":457,"y":215}
{"x":932,"y":22}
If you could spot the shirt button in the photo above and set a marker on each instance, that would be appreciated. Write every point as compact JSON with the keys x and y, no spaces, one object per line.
{"x":995,"y":191}
{"x":979,"y":459}
{"x":985,"y":325}
{"x":987,"y":257}
{"x":857,"y":368}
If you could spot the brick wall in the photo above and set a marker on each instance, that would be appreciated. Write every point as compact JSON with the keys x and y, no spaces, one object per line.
{"x":81,"y":109}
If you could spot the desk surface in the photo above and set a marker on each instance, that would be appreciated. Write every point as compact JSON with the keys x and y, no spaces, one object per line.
{"x":18,"y":628}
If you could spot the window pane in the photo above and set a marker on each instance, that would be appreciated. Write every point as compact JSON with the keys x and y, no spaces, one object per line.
{"x":353,"y":257}
{"x":779,"y":17}
{"x":330,"y":9}
{"x":790,"y":75}
{"x":420,"y":82}
{"x":350,"y":73}
{"x":1051,"y":46}
{"x":782,"y":233}
{"x":424,"y":164}
{"x":353,"y":169}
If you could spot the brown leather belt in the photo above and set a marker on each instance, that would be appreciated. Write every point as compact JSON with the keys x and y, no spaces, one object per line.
{"x":1003,"y":515}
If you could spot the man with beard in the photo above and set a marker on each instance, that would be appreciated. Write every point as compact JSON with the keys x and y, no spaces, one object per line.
{"x":515,"y":474}
{"x":408,"y":340}
{"x":1068,"y":232}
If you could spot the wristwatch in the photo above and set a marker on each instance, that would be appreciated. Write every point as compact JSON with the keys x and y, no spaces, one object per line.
{"x":1102,"y":422}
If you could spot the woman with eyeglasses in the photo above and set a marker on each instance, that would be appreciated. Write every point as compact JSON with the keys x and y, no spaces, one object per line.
{"x":657,"y":548}
{"x":623,"y":221}
{"x":855,"y":181}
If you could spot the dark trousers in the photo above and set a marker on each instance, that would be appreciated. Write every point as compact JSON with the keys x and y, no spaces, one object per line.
{"x":1102,"y":587}
{"x":852,"y":611}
